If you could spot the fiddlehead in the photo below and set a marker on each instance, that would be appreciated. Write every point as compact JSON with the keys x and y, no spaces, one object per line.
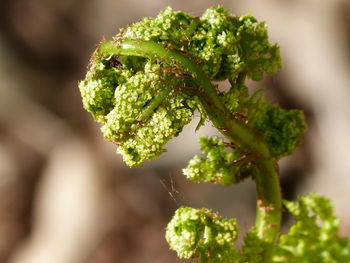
{"x":144,"y":86}
{"x":138,"y":103}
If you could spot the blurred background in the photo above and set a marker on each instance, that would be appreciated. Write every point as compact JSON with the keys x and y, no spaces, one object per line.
{"x":66,"y":197}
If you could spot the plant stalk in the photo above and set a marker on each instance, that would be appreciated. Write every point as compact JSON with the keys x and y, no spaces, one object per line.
{"x":267,"y":183}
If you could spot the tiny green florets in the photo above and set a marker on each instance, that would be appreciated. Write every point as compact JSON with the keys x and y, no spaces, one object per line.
{"x":97,"y":90}
{"x":168,"y":25}
{"x":200,"y":233}
{"x":123,"y":92}
{"x":143,"y":101}
{"x":220,"y":166}
{"x":236,"y":99}
{"x":149,"y":140}
{"x":226,"y":45}
{"x":257,"y":54}
{"x":117,"y":98}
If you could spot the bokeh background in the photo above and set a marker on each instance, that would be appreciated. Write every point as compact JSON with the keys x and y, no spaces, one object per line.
{"x":66,"y":197}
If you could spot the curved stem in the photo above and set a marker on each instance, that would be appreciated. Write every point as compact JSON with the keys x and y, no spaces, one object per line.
{"x":267,"y":183}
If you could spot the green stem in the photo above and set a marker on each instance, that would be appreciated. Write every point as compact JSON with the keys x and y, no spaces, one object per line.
{"x":267,"y":183}
{"x":159,"y":98}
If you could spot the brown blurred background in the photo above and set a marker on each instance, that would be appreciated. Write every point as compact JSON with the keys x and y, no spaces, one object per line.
{"x":66,"y":197}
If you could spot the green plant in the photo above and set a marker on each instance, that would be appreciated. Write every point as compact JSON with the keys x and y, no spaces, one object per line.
{"x":145,"y":85}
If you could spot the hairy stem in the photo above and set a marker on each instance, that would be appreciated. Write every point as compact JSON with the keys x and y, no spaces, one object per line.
{"x":267,"y":183}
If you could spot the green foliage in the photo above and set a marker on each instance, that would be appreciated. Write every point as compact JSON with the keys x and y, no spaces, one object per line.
{"x":253,"y":247}
{"x":118,"y":91}
{"x":226,"y":45}
{"x":97,"y":90}
{"x":281,"y":129}
{"x":199,"y":233}
{"x":144,"y":86}
{"x":314,"y":237}
{"x":220,"y":166}
{"x":257,"y":55}
{"x":119,"y":98}
{"x":236,"y":99}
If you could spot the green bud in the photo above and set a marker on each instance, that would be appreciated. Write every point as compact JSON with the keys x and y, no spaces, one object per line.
{"x":219,"y":166}
{"x":200,"y":233}
{"x":282,"y":129}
